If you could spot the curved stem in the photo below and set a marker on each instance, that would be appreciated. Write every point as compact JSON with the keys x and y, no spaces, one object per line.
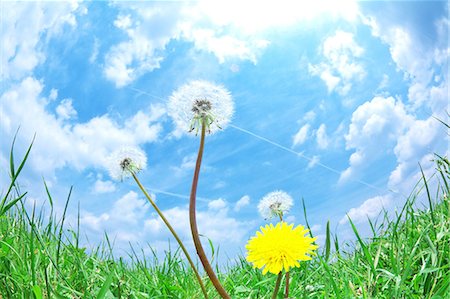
{"x":277,"y":285}
{"x":164,"y":219}
{"x":193,"y":221}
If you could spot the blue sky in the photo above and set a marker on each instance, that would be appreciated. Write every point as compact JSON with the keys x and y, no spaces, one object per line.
{"x":334,"y":103}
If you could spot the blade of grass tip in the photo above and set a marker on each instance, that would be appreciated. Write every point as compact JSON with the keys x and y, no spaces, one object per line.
{"x":306,"y":218}
{"x":433,"y":220}
{"x":363,"y":246}
{"x":102,"y":293}
{"x":327,"y":242}
{"x":6,"y":208}
{"x":11,"y":155}
{"x":336,"y":244}
{"x":62,"y":226}
{"x":49,"y":196}
{"x":16,"y":174}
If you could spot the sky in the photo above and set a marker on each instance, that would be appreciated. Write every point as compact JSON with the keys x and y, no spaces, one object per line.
{"x":335,"y":104}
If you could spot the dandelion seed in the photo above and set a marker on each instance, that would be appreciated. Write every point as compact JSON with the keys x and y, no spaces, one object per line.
{"x":125,"y":161}
{"x":279,"y":247}
{"x":275,"y":204}
{"x":201,"y":102}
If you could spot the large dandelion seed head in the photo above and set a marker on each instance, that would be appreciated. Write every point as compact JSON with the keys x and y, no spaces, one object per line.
{"x":279,"y":247}
{"x":199,"y":102}
{"x":275,"y":204}
{"x":125,"y":161}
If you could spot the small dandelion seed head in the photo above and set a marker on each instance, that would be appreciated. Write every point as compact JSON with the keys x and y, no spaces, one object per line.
{"x":125,"y":161}
{"x":275,"y":204}
{"x":200,"y":102}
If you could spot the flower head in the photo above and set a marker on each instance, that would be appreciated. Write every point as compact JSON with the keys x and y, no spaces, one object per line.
{"x":275,"y":203}
{"x":279,"y":247}
{"x":200,"y":102}
{"x":125,"y":161}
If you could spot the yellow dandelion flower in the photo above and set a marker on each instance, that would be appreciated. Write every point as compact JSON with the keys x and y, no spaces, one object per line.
{"x":279,"y":247}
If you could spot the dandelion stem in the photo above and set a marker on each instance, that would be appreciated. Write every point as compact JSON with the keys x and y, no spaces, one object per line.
{"x":286,"y":289}
{"x":277,"y":285}
{"x":193,"y":221}
{"x":173,"y":233}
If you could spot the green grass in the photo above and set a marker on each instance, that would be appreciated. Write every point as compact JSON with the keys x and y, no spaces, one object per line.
{"x":408,"y":256}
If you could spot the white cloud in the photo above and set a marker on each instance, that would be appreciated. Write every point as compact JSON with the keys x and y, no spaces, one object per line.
{"x":241,"y":203}
{"x":322,"y":137}
{"x":231,"y":30}
{"x":423,"y":63}
{"x":101,"y":186}
{"x":418,"y":61}
{"x":65,"y":110}
{"x":226,"y":47}
{"x":309,"y":116}
{"x":340,"y":68}
{"x":217,"y":204}
{"x":370,"y":208}
{"x":375,"y":127}
{"x":313,"y":162}
{"x":77,"y":145}
{"x":301,"y":136}
{"x":211,"y":223}
{"x":23,"y":26}
{"x":129,"y":208}
{"x":417,"y":145}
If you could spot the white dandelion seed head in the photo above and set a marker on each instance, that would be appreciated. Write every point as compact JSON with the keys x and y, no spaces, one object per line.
{"x":126,"y":160}
{"x":200,"y":100}
{"x":274,"y":204}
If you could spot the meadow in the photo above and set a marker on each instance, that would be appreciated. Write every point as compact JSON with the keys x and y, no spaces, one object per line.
{"x":407,"y":256}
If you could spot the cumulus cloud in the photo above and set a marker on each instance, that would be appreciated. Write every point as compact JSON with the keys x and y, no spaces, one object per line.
{"x":423,"y":63}
{"x":241,"y":203}
{"x":217,"y":204}
{"x":23,"y":27}
{"x":230,"y":31}
{"x":101,"y":186}
{"x":420,"y":60}
{"x":368,"y":209}
{"x":65,"y":110}
{"x":341,"y":67}
{"x":300,"y":137}
{"x":322,"y":137}
{"x":78,"y":145}
{"x":375,"y":127}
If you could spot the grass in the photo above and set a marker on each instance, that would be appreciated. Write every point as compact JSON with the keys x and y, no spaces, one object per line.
{"x":408,"y":256}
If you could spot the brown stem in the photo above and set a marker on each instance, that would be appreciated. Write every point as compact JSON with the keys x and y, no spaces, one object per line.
{"x":193,"y":221}
{"x":173,"y":233}
{"x":277,"y":285}
{"x":286,"y":289}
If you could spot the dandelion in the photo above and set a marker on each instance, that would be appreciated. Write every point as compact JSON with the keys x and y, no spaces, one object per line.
{"x":276,"y":203}
{"x":201,"y":106}
{"x":125,"y":161}
{"x":129,"y":161}
{"x":279,"y":247}
{"x":199,"y":102}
